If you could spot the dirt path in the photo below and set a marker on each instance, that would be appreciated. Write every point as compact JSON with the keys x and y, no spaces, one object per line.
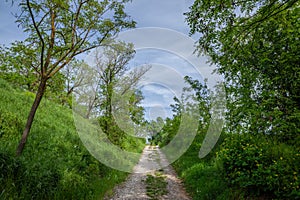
{"x":135,"y":185}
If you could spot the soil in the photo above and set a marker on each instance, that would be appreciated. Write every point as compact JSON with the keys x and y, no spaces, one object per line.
{"x":134,"y":188}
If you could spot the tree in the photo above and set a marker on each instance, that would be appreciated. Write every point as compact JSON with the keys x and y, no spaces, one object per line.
{"x":77,"y":73}
{"x":110,"y":91}
{"x":202,"y":98}
{"x":16,"y":66}
{"x":136,"y":111}
{"x":155,"y":126}
{"x":60,"y":30}
{"x":117,"y":86}
{"x":111,"y":65}
{"x":256,"y":50}
{"x":217,"y":20}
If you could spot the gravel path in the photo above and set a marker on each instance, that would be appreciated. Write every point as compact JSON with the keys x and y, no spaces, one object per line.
{"x":135,"y":187}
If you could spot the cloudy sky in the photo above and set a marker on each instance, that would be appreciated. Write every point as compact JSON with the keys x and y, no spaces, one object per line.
{"x":147,"y":13}
{"x":165,"y":46}
{"x":169,"y":63}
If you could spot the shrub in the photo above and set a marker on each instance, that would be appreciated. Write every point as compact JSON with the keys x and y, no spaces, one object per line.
{"x":261,"y":166}
{"x":204,"y":181}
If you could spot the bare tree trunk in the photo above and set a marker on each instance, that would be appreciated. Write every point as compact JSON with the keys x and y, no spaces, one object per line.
{"x":34,"y":107}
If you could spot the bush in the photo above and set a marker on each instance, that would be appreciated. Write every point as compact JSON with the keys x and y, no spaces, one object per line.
{"x":203,"y":178}
{"x":261,"y":166}
{"x":204,"y":181}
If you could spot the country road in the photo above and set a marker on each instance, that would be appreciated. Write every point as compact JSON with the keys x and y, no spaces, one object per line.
{"x":135,"y":187}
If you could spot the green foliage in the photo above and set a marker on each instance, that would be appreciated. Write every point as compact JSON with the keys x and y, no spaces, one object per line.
{"x":203,"y":178}
{"x":56,"y":33}
{"x":135,"y":110}
{"x":217,"y":20}
{"x":261,"y":166}
{"x":167,"y":132}
{"x":10,"y":124}
{"x":257,"y":54}
{"x":199,"y":109}
{"x":40,"y":182}
{"x":156,"y":186}
{"x":10,"y":169}
{"x":119,"y":138}
{"x":262,"y":79}
{"x":55,"y":164}
{"x":244,"y":165}
{"x":16,"y":68}
{"x":133,"y":144}
{"x":116,"y":95}
{"x":255,"y":45}
{"x":204,"y":181}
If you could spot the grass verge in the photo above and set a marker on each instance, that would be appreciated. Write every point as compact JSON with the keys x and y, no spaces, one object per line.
{"x":156,"y":185}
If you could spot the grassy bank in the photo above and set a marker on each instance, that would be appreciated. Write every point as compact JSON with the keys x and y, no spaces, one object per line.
{"x":54,"y":164}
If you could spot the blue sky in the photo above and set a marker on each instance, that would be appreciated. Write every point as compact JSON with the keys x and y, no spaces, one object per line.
{"x":160,"y":13}
{"x":165,"y":79}
{"x":166,"y":66}
{"x":147,"y":13}
{"x":9,"y":30}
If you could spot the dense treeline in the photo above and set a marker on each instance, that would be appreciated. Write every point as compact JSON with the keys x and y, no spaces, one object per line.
{"x":257,"y":53}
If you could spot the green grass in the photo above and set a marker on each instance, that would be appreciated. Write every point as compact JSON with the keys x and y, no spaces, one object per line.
{"x":243,"y":167}
{"x":203,"y":178}
{"x":55,"y":164}
{"x":156,"y":185}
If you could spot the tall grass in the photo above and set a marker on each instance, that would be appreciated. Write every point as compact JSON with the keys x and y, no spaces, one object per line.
{"x":55,"y":164}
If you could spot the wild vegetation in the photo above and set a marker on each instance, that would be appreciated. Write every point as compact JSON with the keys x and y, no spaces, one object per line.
{"x":55,"y":164}
{"x":253,"y":43}
{"x":255,"y":46}
{"x":38,"y":77}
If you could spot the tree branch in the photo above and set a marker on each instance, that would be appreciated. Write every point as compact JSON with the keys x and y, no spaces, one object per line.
{"x":39,"y":34}
{"x":74,"y":27}
{"x":51,"y":42}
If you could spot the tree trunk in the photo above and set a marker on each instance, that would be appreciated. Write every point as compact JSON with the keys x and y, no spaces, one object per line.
{"x":34,"y":107}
